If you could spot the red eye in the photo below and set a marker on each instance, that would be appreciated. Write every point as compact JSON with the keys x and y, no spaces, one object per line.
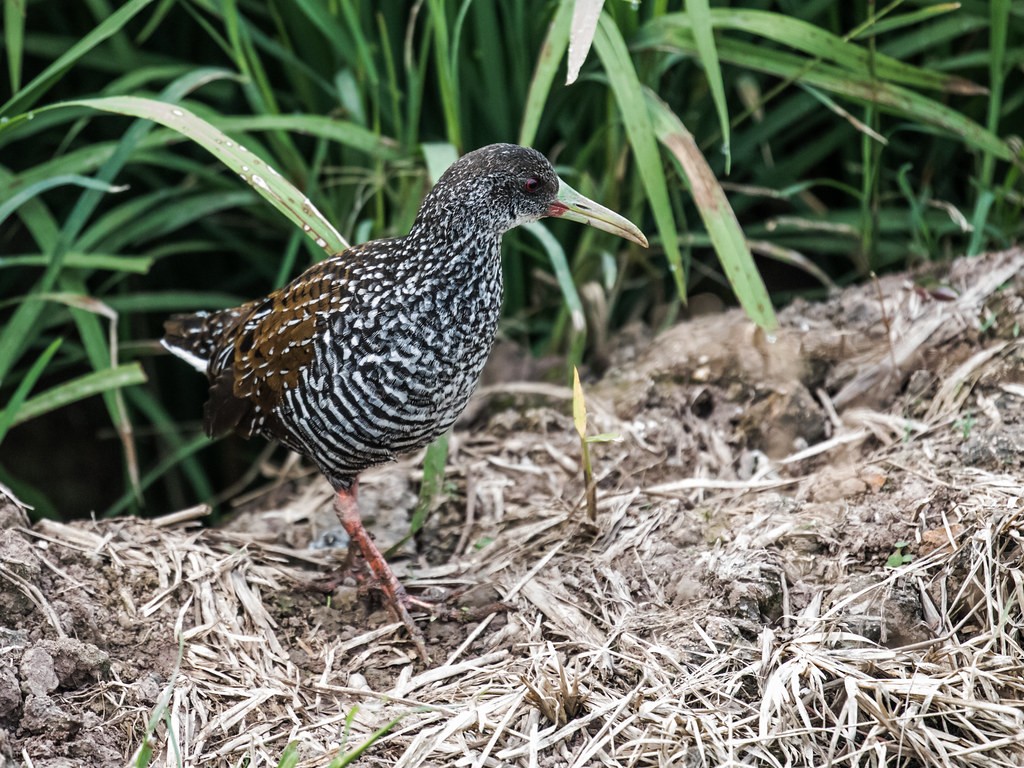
{"x":531,"y":185}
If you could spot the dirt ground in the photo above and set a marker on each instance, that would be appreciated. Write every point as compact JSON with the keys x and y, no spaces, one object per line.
{"x":807,"y":552}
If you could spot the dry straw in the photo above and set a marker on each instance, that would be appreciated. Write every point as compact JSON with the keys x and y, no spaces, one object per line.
{"x":742,"y":656}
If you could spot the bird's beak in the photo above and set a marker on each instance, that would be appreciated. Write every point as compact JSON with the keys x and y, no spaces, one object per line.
{"x":570,"y":204}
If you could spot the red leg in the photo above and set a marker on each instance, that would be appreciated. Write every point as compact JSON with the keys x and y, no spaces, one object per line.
{"x":398,"y":601}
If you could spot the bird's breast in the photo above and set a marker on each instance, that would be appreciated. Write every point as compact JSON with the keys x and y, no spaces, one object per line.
{"x":405,"y":363}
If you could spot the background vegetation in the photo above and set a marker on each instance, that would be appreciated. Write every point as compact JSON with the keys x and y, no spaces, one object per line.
{"x":850,"y":138}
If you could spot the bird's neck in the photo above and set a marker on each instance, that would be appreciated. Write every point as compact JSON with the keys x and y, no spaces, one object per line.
{"x":454,"y":246}
{"x":466,"y":213}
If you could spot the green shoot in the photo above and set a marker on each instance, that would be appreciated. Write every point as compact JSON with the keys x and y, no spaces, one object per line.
{"x":579,"y":417}
{"x":899,"y":557}
{"x":431,"y":489}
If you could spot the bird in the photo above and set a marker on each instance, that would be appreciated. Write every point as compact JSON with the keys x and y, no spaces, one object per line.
{"x":374,"y":352}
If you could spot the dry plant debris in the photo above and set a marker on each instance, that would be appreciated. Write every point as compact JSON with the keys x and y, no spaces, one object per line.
{"x":731,"y":606}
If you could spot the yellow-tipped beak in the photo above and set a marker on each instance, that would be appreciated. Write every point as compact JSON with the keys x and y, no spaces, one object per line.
{"x":570,"y":204}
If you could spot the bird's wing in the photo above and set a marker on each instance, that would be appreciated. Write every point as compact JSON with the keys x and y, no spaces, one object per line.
{"x":266,"y":352}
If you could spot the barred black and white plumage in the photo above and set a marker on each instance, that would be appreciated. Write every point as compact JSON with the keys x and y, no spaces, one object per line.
{"x":376,"y":351}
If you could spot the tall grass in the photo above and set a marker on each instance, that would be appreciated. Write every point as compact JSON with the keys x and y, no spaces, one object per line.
{"x":839,"y":138}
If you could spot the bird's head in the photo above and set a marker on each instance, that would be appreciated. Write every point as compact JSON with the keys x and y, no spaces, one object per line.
{"x":501,"y":186}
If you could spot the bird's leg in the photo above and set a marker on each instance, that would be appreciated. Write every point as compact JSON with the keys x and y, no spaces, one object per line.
{"x":397,"y":598}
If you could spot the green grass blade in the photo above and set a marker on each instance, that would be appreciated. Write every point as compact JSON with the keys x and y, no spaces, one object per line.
{"x":392,"y":85}
{"x":253,"y":170}
{"x":859,"y":125}
{"x":164,"y":220}
{"x":237,"y":39}
{"x":415,"y":67}
{"x":85,"y":160}
{"x":999,"y":22}
{"x":172,"y":301}
{"x":40,"y":223}
{"x":345,"y":38}
{"x":290,"y":757}
{"x":548,"y":61}
{"x":704,"y":37}
{"x":9,"y":416}
{"x":443,"y":60}
{"x":14,"y":202}
{"x":134,"y":213}
{"x":257,"y":86}
{"x":343,"y":760}
{"x":160,"y":469}
{"x":435,"y":461}
{"x":111,"y":262}
{"x":14,"y":36}
{"x":717,"y":214}
{"x":21,"y":328}
{"x":456,"y":41}
{"x":102,"y":352}
{"x":570,"y":295}
{"x":160,"y":714}
{"x":809,"y":39}
{"x":794,"y":259}
{"x":146,"y":401}
{"x":978,"y":220}
{"x":155,"y":20}
{"x":363,"y":44}
{"x":77,"y":162}
{"x":940,"y":34}
{"x":502,"y":66}
{"x":911,"y":19}
{"x":343,"y":132}
{"x":87,"y":385}
{"x":109,"y":27}
{"x":625,"y":84}
{"x":854,"y":85}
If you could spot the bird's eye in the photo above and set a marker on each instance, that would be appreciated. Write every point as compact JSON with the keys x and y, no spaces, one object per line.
{"x":531,"y":186}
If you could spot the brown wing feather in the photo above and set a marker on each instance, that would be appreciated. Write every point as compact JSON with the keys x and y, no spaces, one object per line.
{"x":266,"y":351}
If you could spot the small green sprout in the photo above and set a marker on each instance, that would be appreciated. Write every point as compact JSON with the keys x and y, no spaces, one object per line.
{"x":579,"y":417}
{"x":965,"y":424}
{"x":899,"y":557}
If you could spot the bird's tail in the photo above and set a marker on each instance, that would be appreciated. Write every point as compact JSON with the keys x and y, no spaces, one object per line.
{"x":194,"y":337}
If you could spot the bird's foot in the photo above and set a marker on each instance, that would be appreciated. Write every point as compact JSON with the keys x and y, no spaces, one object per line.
{"x":465,"y":604}
{"x":398,"y":600}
